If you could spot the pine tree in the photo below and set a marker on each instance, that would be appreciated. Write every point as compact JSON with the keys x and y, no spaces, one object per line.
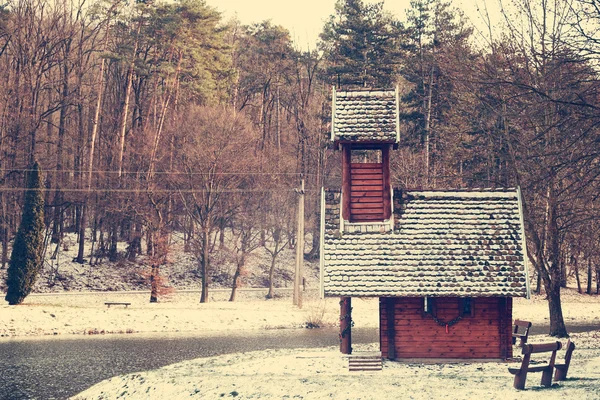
{"x":360,"y":43}
{"x":26,"y":257}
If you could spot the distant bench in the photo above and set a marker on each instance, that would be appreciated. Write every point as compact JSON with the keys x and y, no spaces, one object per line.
{"x":521,"y":331}
{"x":113,"y":303}
{"x":546,"y":370}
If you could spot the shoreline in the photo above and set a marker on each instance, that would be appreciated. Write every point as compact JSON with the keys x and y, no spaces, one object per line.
{"x":70,"y":314}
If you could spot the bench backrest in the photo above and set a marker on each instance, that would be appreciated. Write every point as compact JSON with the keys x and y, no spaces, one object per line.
{"x":529,"y":349}
{"x":570,"y":347}
{"x":541,"y":348}
{"x":522,"y":324}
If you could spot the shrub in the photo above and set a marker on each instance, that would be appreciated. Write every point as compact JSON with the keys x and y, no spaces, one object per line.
{"x":26,"y":258}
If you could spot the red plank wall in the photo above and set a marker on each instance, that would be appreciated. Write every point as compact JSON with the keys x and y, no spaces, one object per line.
{"x":486,"y":334}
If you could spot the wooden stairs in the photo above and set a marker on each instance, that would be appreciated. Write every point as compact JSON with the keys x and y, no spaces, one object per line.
{"x":365,"y":361}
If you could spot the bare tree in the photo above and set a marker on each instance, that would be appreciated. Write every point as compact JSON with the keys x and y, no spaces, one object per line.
{"x":213,"y":145}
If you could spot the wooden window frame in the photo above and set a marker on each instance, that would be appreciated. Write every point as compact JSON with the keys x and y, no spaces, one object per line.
{"x":430,"y":306}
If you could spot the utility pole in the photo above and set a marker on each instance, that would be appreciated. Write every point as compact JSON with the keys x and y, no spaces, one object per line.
{"x":299,"y":247}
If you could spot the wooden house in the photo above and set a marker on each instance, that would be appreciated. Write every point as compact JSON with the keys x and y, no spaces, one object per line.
{"x":445,"y":264}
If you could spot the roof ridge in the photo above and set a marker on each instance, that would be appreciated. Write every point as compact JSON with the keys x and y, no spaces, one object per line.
{"x":369,"y":92}
{"x":460,"y":190}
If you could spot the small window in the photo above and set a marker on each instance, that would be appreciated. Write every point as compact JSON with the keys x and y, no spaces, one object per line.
{"x":429,"y":305}
{"x":466,"y":306}
{"x":365,"y":156}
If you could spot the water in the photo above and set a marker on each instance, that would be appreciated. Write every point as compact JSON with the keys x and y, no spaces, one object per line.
{"x":59,"y":368}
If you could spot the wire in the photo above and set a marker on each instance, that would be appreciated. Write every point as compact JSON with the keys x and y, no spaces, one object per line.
{"x":108,"y":190}
{"x":155,"y":173}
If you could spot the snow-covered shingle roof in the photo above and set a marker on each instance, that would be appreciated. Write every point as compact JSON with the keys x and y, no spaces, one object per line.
{"x":455,"y":243}
{"x":365,"y":116}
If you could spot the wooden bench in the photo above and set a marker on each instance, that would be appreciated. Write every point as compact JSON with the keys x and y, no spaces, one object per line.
{"x":546,"y":370}
{"x":365,"y":361}
{"x":112,"y":303}
{"x":519,"y":333}
{"x":562,"y":369}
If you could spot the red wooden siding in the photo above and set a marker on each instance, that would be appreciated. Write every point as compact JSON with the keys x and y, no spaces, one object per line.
{"x":366,"y":188}
{"x":366,"y":192}
{"x":415,"y":335}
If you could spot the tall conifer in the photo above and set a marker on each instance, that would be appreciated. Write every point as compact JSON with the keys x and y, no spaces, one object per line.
{"x":26,"y":257}
{"x":361,"y":45}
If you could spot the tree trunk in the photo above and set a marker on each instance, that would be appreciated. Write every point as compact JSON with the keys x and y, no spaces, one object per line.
{"x":4,"y":246}
{"x":236,"y":276}
{"x":576,"y":266}
{"x":114,"y":233}
{"x":154,"y":284}
{"x":589,"y":277}
{"x":82,"y":226}
{"x":271,"y":272}
{"x":4,"y":230}
{"x":123,"y":128}
{"x":345,"y":325}
{"x":205,"y":259}
{"x":149,"y":243}
{"x":557,"y":324}
{"x":563,"y":272}
{"x":427,"y":128}
{"x":538,"y":285}
{"x":313,"y":254}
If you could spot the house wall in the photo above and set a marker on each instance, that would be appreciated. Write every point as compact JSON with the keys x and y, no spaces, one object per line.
{"x":485,"y":334}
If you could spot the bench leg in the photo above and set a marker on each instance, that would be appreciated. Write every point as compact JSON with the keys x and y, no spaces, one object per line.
{"x":547,"y":377}
{"x":520,"y":380}
{"x":560,"y":374}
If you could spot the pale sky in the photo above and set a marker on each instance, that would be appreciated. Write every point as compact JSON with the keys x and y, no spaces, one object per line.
{"x":305,"y":18}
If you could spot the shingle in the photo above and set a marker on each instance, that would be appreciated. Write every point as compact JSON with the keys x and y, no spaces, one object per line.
{"x":365,"y":116}
{"x":451,"y":243}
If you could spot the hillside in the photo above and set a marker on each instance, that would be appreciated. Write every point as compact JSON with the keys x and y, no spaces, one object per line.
{"x":62,"y":274}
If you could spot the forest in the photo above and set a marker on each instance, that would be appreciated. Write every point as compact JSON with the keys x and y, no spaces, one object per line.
{"x":153,"y":117}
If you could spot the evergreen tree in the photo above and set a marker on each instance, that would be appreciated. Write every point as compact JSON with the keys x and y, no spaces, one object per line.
{"x":26,"y":257}
{"x":360,"y":43}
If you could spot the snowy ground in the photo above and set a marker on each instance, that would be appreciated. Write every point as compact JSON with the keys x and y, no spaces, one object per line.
{"x":323,"y":373}
{"x":63,"y":314}
{"x":86,"y":313}
{"x":302,"y":374}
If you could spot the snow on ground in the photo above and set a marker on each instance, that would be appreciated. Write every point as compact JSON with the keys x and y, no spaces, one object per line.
{"x":62,"y":314}
{"x":303,"y":374}
{"x":323,"y":373}
{"x":85,"y":313}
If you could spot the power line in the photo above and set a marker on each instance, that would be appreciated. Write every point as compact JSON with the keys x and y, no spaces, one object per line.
{"x":109,"y":190}
{"x":155,"y":173}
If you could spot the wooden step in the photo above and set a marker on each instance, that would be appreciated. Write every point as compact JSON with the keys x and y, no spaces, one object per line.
{"x":365,"y":361}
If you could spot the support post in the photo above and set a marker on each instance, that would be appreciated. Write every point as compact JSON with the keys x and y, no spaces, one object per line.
{"x":299,"y":247}
{"x":391,"y":329}
{"x":387,"y":196}
{"x":345,"y":325}
{"x":346,"y":179}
